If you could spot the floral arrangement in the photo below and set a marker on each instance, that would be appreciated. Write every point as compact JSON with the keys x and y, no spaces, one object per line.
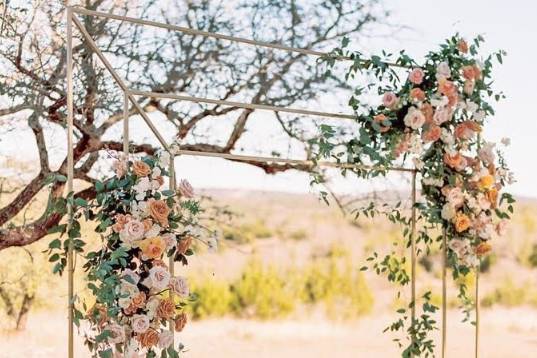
{"x":433,"y":117}
{"x":138,"y":304}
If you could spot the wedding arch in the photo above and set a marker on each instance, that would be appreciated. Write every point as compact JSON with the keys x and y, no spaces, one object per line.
{"x":380,"y":124}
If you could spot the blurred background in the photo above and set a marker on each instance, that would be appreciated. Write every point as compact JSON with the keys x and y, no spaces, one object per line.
{"x":285,"y":279}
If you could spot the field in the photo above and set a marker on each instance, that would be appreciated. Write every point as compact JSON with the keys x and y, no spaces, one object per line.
{"x":286,"y":282}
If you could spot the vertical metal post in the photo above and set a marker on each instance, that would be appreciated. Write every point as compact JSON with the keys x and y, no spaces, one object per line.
{"x":70,"y":170}
{"x":477,"y":310}
{"x":126,"y":124}
{"x":413,"y":255}
{"x":444,"y":292}
{"x":171,"y":264}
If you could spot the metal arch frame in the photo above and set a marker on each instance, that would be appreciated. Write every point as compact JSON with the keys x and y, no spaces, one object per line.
{"x":129,"y":96}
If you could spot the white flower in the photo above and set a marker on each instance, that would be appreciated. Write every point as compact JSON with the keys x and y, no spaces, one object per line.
{"x":448,"y":212}
{"x":133,"y":231}
{"x":455,"y":197}
{"x":117,"y":333}
{"x":458,"y":246}
{"x":487,"y":231}
{"x":140,"y":323}
{"x":159,"y":278}
{"x":486,"y":153}
{"x":139,"y":209}
{"x":479,"y":116}
{"x":165,"y":339}
{"x":418,"y":163}
{"x":438,"y":182}
{"x":142,"y":187}
{"x":128,"y":289}
{"x":179,"y":285}
{"x":164,"y":159}
{"x":416,"y":145}
{"x":124,"y":302}
{"x":439,"y":101}
{"x":506,"y":141}
{"x":414,"y":118}
{"x":170,"y":240}
{"x":151,"y":306}
{"x":441,"y":115}
{"x":443,"y":70}
{"x":471,"y":106}
{"x":153,"y":231}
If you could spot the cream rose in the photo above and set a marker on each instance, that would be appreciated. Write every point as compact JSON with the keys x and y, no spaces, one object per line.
{"x":186,"y":189}
{"x":179,"y":285}
{"x":117,"y":333}
{"x":159,"y":277}
{"x":165,"y":339}
{"x":414,"y":118}
{"x":140,"y":323}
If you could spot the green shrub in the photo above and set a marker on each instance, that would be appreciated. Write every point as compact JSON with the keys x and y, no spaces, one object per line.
{"x":213,"y":298}
{"x":507,"y":294}
{"x":262,"y":292}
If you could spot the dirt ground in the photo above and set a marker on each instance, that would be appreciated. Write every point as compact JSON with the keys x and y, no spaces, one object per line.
{"x":506,"y":333}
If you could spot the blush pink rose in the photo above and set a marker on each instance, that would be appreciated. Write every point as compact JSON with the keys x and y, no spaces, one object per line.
{"x":416,"y":76}
{"x":441,"y":115}
{"x":389,"y":100}
{"x":179,"y":285}
{"x":140,"y":323}
{"x":186,"y":189}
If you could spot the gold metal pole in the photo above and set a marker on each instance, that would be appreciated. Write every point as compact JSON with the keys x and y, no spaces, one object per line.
{"x":413,"y":256}
{"x":444,"y":292}
{"x":190,"y":31}
{"x":171,"y":264}
{"x":242,"y":104}
{"x":70,"y":164}
{"x":126,"y":125}
{"x":477,"y":310}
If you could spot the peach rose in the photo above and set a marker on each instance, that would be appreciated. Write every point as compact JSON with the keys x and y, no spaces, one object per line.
{"x":121,"y":220}
{"x":158,"y":209}
{"x":149,"y":338}
{"x":180,"y":322}
{"x":454,"y":161}
{"x":152,"y":247}
{"x":462,"y":222}
{"x":185,"y":189}
{"x":166,"y":309}
{"x":414,"y":118}
{"x":417,"y":94}
{"x":98,"y":315}
{"x":501,"y":227}
{"x":462,"y":46}
{"x":483,"y":248}
{"x":184,"y":244}
{"x":148,"y":224}
{"x":141,"y":169}
{"x":159,"y":180}
{"x":389,"y":100}
{"x":448,"y":89}
{"x":492,"y":196}
{"x":416,"y":76}
{"x":466,"y":130}
{"x":427,"y":111}
{"x":432,"y":134}
{"x":471,"y":72}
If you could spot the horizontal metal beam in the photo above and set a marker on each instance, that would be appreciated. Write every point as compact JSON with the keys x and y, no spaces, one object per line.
{"x":241,"y":104}
{"x":309,"y":163}
{"x":195,"y":32}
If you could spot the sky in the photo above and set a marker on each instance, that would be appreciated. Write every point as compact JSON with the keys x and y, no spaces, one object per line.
{"x":509,"y":27}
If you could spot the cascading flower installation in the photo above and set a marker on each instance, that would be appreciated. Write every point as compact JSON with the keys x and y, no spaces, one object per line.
{"x":141,"y":224}
{"x":433,"y":118}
